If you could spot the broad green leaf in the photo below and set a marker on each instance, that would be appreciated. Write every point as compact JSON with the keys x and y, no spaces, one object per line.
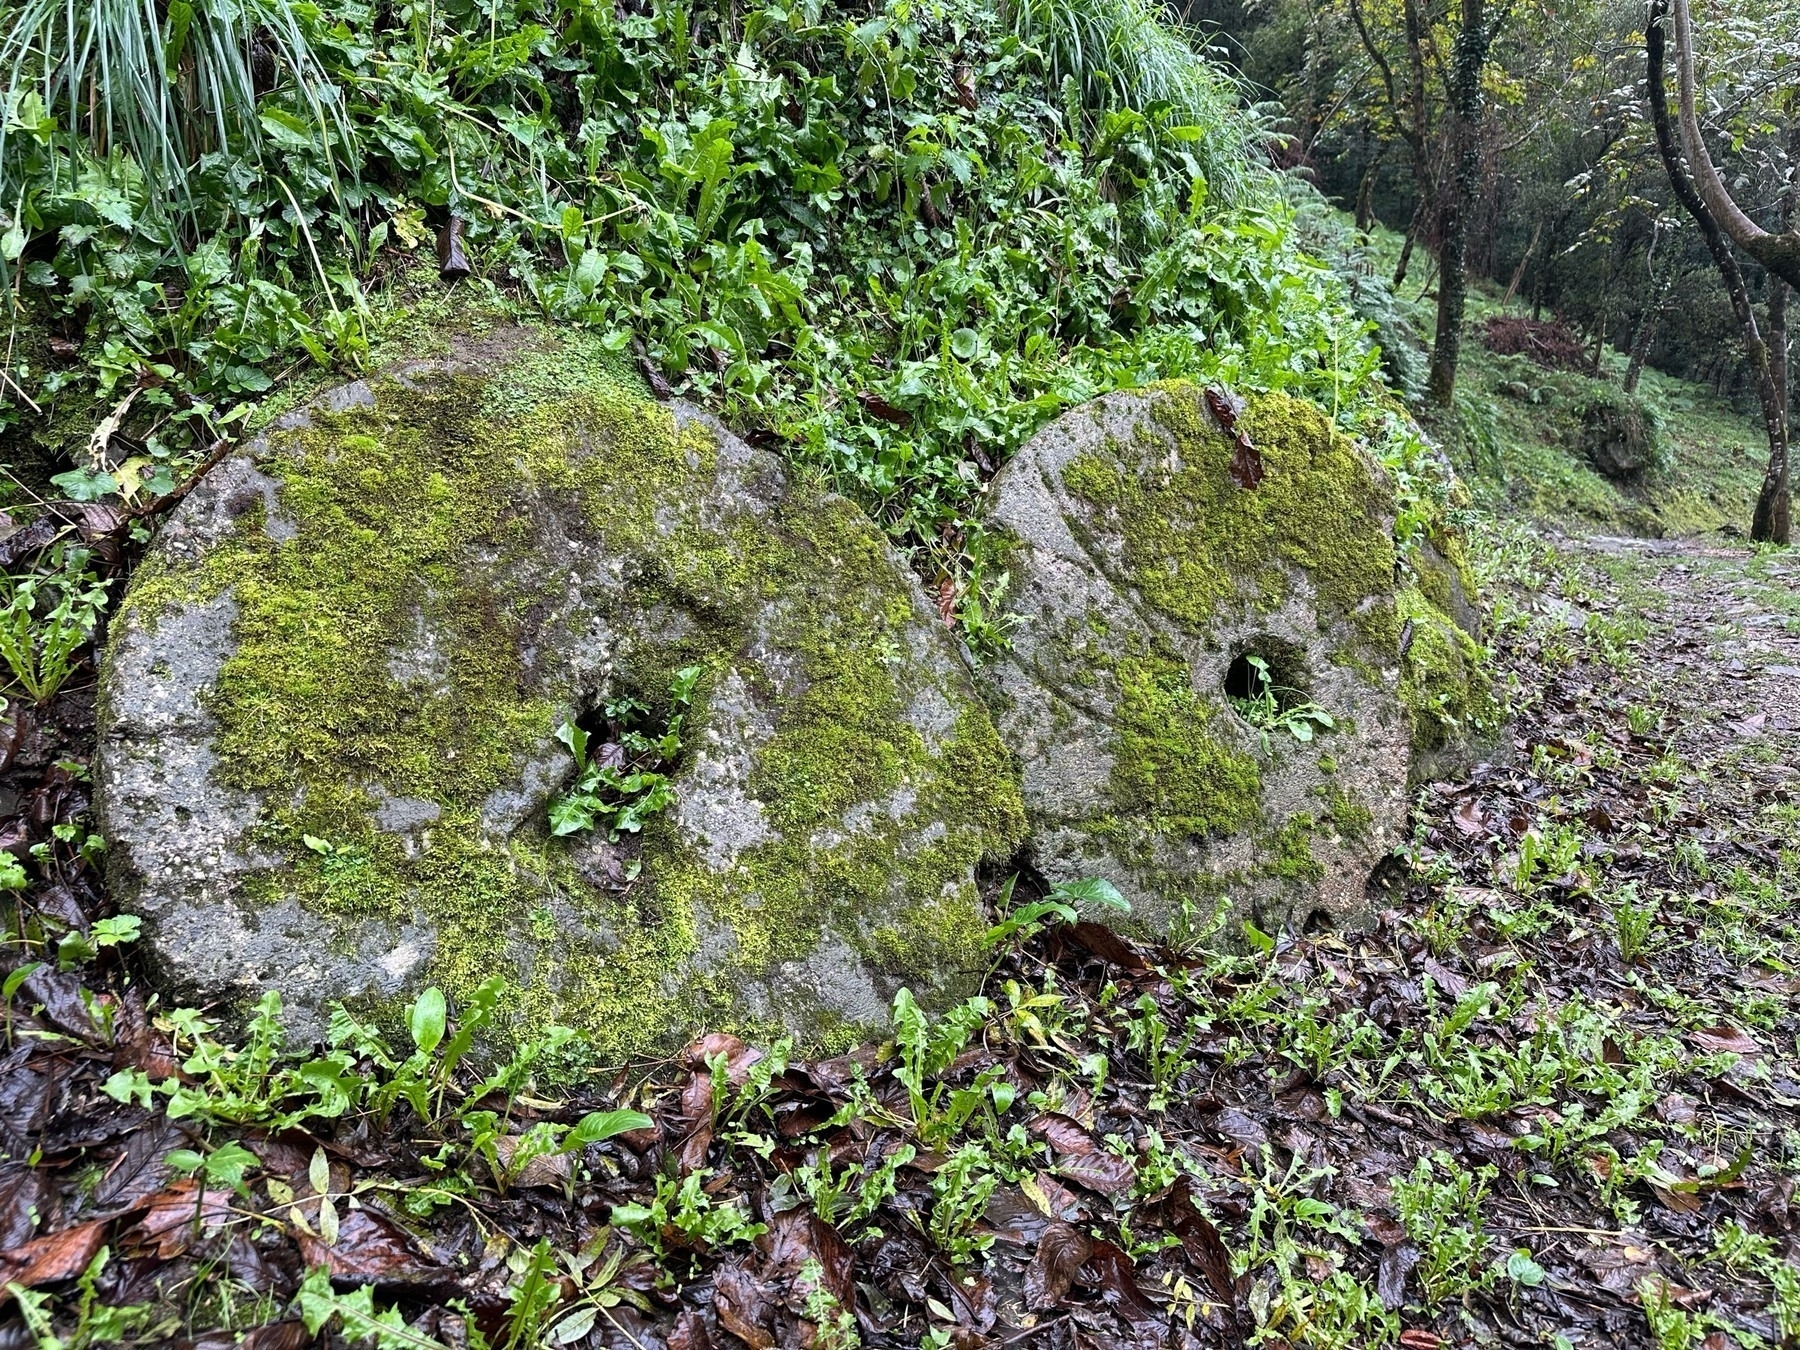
{"x":427,"y":1018}
{"x":599,"y":1125}
{"x":1092,"y":891}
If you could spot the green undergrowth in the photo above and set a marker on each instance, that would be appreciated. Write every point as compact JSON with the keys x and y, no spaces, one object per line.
{"x":899,"y":238}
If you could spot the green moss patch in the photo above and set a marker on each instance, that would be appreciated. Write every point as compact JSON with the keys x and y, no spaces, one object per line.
{"x":1171,"y":771}
{"x":1445,"y":683}
{"x":1197,"y":544}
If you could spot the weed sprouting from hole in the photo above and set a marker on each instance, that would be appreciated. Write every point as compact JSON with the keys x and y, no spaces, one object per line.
{"x":624,"y":782}
{"x":1267,"y":704}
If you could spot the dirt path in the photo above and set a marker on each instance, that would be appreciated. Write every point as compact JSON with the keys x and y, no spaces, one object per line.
{"x":1657,"y":769}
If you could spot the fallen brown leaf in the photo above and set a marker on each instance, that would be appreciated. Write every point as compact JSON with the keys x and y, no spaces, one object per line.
{"x":1061,"y":1252}
{"x":53,"y":1257}
{"x":745,"y":1306}
{"x":1724,"y":1037}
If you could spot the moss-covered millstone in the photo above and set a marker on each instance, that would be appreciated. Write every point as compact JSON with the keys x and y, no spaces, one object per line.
{"x":329,"y":705}
{"x":1145,"y":575}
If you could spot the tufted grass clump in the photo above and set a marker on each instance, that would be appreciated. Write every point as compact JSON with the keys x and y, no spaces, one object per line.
{"x":1132,"y":54}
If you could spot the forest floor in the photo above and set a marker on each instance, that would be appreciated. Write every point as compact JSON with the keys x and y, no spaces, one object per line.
{"x":1551,"y":1098}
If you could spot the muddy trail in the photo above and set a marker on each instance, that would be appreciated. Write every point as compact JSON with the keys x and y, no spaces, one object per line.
{"x":1553,"y":1097}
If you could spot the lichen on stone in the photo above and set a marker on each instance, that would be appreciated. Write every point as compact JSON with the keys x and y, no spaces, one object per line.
{"x":1196,"y":543}
{"x":455,"y":559}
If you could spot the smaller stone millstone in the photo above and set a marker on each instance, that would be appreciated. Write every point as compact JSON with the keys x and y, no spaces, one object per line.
{"x":1144,"y":576}
{"x":326,"y":741}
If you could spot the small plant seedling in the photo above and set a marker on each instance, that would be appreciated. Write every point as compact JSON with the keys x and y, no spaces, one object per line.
{"x":622,"y":784}
{"x":682,"y":1214}
{"x":1266,"y":710}
{"x":1027,"y":921}
{"x":1440,"y":1208}
{"x":46,"y":618}
{"x":1635,"y":920}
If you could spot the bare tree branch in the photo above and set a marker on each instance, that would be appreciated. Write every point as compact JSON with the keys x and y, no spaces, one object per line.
{"x":1771,"y":519}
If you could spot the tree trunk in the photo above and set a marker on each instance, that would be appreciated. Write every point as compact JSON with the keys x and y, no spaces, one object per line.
{"x":1365,"y":192}
{"x":1467,"y":60}
{"x":1780,"y":253}
{"x":1771,"y":520}
{"x":1774,"y":501}
{"x":1640,"y":349}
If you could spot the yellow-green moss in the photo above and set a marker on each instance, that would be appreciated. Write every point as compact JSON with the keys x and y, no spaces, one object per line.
{"x":1445,"y":684}
{"x":1350,"y":818}
{"x":1196,"y":543}
{"x":388,"y":506}
{"x":1170,"y":769}
{"x":1287,"y":853}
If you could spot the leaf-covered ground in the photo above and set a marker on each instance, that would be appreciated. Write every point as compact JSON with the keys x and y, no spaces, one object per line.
{"x":1551,"y":1094}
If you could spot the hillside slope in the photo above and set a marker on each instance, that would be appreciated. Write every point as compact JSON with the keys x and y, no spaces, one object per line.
{"x":1517,"y":434}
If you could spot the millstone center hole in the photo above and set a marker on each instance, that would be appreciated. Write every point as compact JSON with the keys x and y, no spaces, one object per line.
{"x":626,"y":746}
{"x":1243,"y":680}
{"x":1268,"y":674}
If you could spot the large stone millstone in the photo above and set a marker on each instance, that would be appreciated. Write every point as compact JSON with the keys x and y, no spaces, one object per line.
{"x":1144,"y":576}
{"x":366,"y":627}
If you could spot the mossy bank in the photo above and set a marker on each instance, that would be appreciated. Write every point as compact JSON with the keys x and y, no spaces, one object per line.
{"x":330,"y":705}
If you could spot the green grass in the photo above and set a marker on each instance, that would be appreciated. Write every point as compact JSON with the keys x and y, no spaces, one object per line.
{"x":165,"y":88}
{"x":1128,"y":54}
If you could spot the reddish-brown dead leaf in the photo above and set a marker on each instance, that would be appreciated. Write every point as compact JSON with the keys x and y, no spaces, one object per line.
{"x":1246,"y":463}
{"x":796,"y":1237}
{"x":1724,"y":1037}
{"x":1061,"y":1252}
{"x":1107,"y":945}
{"x":1105,"y":1173}
{"x":1469,"y":820}
{"x":689,"y":1332}
{"x":1063,"y":1134}
{"x":877,"y":406}
{"x":738,"y":1056}
{"x":1109,"y":1270}
{"x":370,"y":1246}
{"x":745,"y":1306}
{"x":278,"y":1336}
{"x":173,"y":1218}
{"x":53,"y":1257}
{"x":1200,"y":1241}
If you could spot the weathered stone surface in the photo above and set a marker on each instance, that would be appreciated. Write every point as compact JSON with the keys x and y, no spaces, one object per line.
{"x":365,"y":629}
{"x":1619,"y":439}
{"x":1143,"y":572}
